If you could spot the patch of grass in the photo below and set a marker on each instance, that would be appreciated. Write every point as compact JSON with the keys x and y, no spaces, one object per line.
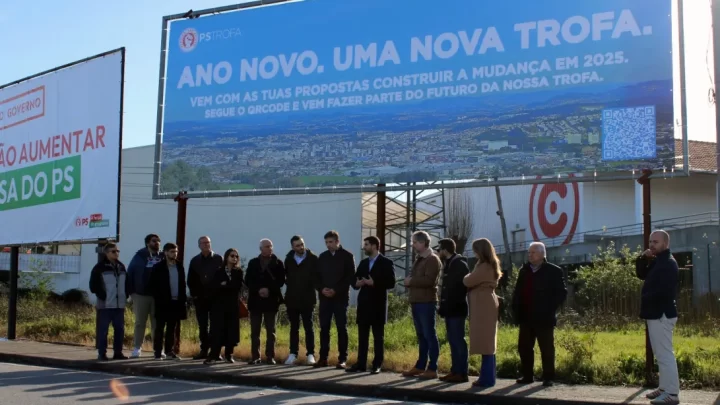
{"x":586,"y":354}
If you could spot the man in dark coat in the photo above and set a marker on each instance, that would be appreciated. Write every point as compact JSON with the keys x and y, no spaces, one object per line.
{"x":301,"y":297}
{"x":374,"y":277}
{"x":539,"y":293}
{"x":264,"y":278}
{"x":167,"y":283}
{"x":658,"y":308}
{"x":200,"y":273}
{"x":337,"y":273}
{"x":454,"y":308}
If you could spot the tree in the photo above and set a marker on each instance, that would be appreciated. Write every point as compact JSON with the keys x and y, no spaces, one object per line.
{"x":460,"y":222}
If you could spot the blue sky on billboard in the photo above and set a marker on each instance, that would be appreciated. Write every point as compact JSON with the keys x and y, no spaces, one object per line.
{"x":432,"y":92}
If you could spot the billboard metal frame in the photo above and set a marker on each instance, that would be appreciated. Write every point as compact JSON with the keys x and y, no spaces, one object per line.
{"x":121,"y":50}
{"x":373,"y":188}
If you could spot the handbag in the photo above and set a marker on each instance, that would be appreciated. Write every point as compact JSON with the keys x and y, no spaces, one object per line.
{"x":242,"y":309}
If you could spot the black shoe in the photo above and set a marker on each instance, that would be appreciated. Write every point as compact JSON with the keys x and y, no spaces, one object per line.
{"x":270,"y":361}
{"x":254,"y":362}
{"x":229,"y":359}
{"x":548,"y":383}
{"x":209,"y":361}
{"x":524,"y":380}
{"x":173,"y":356}
{"x":375,"y":370}
{"x":355,"y":369}
{"x":120,"y":356}
{"x":201,"y":356}
{"x":102,"y":357}
{"x":341,"y":365}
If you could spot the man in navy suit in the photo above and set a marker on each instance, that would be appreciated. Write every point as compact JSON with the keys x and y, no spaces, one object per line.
{"x":375,"y":275}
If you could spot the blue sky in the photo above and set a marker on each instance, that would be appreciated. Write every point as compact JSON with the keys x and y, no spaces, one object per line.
{"x":57,"y":32}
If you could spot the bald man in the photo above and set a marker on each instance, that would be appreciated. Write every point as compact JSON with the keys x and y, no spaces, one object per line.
{"x":264,"y":278}
{"x":658,"y":308}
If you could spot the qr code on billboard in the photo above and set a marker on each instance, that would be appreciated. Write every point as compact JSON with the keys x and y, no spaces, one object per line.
{"x":629,"y":133}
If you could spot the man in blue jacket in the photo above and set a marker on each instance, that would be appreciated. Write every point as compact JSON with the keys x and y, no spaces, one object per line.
{"x":658,"y":308}
{"x":138,"y":276}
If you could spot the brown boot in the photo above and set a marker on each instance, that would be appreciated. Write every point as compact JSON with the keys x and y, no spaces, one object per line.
{"x":457,"y":379}
{"x":428,"y":375}
{"x":446,"y":376}
{"x":414,"y":372}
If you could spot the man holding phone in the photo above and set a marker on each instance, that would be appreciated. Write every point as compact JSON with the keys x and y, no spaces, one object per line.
{"x":374,"y":277}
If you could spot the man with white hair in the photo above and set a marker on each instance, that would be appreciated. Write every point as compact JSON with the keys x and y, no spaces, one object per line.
{"x":264,"y":278}
{"x":539,"y":293}
{"x":658,"y":308}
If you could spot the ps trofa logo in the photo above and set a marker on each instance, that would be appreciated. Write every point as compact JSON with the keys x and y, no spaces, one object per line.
{"x":189,"y":39}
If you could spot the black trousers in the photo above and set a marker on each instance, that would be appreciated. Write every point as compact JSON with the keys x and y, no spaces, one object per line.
{"x":165,"y":327}
{"x":545,"y":337}
{"x":378,"y":331}
{"x":256,"y":322}
{"x":330,"y":308}
{"x":202,"y":314}
{"x":294,"y":316}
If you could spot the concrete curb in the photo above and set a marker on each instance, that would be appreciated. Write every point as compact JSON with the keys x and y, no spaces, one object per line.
{"x":317,"y":386}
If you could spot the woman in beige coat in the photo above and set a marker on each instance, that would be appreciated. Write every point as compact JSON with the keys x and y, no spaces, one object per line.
{"x":481,"y":284}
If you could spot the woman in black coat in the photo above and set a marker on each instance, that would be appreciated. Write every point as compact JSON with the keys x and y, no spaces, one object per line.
{"x":224,"y":313}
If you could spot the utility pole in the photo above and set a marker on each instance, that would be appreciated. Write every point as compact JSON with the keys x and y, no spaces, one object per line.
{"x":716,"y":60}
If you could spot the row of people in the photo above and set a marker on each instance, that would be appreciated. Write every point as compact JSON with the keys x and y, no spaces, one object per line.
{"x":215,"y":284}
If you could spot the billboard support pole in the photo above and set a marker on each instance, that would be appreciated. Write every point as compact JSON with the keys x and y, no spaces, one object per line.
{"x":716,"y":90}
{"x":12,"y":305}
{"x":644,"y":180}
{"x":181,"y":199}
{"x":381,"y":220}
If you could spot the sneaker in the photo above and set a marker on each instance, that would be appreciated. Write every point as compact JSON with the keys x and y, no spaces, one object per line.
{"x":310,"y":360}
{"x":136,"y":353}
{"x":172,"y":356}
{"x":291,"y":360}
{"x":666,"y":398}
{"x":654,"y":394}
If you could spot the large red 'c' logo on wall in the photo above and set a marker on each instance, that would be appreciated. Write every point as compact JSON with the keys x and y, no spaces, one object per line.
{"x":554,"y":210}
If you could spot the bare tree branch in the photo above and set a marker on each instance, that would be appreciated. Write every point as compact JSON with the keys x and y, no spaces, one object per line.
{"x":460,"y":217}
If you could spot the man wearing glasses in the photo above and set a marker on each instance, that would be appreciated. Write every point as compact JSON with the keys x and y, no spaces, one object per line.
{"x":107,"y":282}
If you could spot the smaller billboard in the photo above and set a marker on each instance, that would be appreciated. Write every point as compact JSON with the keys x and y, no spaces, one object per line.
{"x":60,"y":139}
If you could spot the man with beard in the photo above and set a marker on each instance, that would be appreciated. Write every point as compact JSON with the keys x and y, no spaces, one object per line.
{"x":374,"y":277}
{"x":138,"y":275}
{"x":301,"y":266}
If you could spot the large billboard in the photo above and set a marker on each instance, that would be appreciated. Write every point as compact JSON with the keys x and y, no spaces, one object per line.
{"x":60,"y":137}
{"x":332,"y":94}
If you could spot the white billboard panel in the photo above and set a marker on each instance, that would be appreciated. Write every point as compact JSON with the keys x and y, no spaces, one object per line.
{"x":60,"y":140}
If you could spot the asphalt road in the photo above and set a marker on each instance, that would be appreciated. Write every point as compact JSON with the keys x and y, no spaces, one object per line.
{"x":29,"y":385}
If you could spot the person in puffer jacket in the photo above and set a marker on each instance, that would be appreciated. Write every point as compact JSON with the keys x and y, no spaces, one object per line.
{"x":108,"y":282}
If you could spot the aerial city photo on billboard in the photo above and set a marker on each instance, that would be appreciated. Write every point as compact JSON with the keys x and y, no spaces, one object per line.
{"x":323,"y":93}
{"x":60,"y":137}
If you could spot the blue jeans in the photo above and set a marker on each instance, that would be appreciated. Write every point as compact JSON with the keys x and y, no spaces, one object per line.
{"x":424,"y":318}
{"x":455,"y":327}
{"x":105,"y":317}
